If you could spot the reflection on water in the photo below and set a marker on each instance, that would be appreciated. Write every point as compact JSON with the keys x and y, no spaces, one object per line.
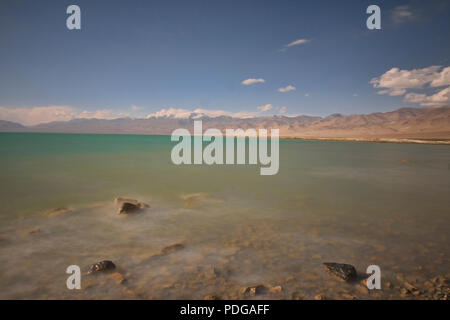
{"x":356,"y":203}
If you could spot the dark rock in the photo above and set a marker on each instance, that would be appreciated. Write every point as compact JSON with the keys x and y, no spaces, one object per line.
{"x":344,"y":271}
{"x":104,"y":265}
{"x":252,"y":291}
{"x":128,"y":207}
{"x":125,"y":205}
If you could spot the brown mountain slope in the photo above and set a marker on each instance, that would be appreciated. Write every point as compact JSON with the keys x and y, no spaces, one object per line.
{"x":402,"y":123}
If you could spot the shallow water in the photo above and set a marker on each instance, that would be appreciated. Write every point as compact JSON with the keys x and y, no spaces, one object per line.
{"x":350,"y":202}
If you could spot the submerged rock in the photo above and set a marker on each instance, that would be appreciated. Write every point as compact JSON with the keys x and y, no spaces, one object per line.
{"x":125,"y":205}
{"x":172,"y":248}
{"x":57,"y":211}
{"x":34,"y":231}
{"x":194,"y":200}
{"x":117,"y":277}
{"x":165,"y":251}
{"x":344,"y":271}
{"x":104,"y":265}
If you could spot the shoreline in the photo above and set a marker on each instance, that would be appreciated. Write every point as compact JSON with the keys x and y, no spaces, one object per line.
{"x":375,"y":140}
{"x":219,"y":267}
{"x":430,"y":141}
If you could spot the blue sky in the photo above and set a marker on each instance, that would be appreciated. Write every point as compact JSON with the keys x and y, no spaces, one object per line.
{"x":137,"y":57}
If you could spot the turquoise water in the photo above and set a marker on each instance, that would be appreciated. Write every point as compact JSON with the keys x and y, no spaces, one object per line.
{"x":351,"y":202}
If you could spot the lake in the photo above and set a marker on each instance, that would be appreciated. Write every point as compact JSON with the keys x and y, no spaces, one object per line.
{"x":351,"y":202}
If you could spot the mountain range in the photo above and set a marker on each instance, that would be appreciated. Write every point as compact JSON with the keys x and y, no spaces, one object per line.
{"x":404,"y":123}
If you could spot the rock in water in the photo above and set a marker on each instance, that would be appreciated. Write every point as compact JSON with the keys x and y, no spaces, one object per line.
{"x":172,"y":248}
{"x":254,"y":290}
{"x":118,"y":201}
{"x":344,"y":271}
{"x":129,"y":205}
{"x":101,"y":266}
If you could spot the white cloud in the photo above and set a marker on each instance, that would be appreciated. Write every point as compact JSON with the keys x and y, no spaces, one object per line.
{"x":297,"y":42}
{"x":197,"y":113}
{"x":218,"y":113}
{"x":287,"y":89}
{"x":102,"y":114}
{"x":402,"y":14}
{"x":393,"y":91}
{"x":355,"y":95}
{"x":443,"y":79}
{"x":265,"y":108}
{"x":396,"y":79}
{"x":171,"y":112}
{"x":397,"y":82}
{"x":269,"y":106}
{"x":36,"y":115}
{"x":415,"y":97}
{"x":306,"y":94}
{"x":250,"y":81}
{"x":439,"y":99}
{"x":31,"y":116}
{"x":294,"y":43}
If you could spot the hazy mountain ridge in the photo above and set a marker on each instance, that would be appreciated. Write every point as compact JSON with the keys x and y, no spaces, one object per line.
{"x":11,"y":126}
{"x":401,"y":123}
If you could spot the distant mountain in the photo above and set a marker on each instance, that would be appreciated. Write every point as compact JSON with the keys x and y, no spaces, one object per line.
{"x":8,"y":126}
{"x":403,"y":123}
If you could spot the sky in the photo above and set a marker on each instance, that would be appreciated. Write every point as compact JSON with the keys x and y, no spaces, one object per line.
{"x":140,"y":58}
